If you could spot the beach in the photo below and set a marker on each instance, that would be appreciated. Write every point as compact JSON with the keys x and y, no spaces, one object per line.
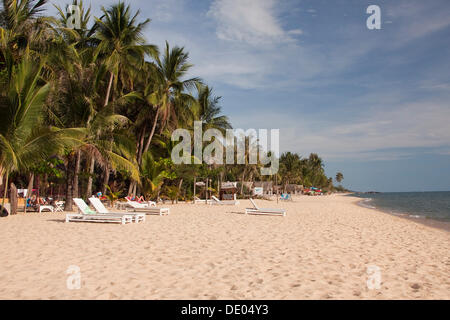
{"x":322,"y":249}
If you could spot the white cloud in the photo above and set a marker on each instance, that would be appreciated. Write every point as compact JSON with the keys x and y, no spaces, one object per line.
{"x":295,"y":32}
{"x":250,"y":21}
{"x":416,"y":19}
{"x":377,"y":134}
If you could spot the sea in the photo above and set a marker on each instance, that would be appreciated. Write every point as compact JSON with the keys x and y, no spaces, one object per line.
{"x":425,"y":206}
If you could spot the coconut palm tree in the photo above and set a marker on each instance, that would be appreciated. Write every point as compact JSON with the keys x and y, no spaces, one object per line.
{"x":163,"y":94}
{"x":153,"y":173}
{"x":122,"y":47}
{"x":168,"y":87}
{"x":82,"y":37}
{"x":24,"y":139}
{"x":24,"y":27}
{"x":290,"y":167}
{"x":207,"y":110}
{"x":121,"y":43}
{"x":76,"y":100}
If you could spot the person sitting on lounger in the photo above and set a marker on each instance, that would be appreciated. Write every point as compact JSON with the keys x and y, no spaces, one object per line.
{"x":136,"y":199}
{"x":32,"y":203}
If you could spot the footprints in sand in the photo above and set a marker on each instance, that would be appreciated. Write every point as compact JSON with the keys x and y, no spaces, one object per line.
{"x":315,"y":253}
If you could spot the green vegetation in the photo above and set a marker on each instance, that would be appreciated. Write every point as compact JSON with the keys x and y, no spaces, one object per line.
{"x":102,"y":103}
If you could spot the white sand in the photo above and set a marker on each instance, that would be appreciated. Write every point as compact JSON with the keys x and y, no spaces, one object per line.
{"x":320,"y":250}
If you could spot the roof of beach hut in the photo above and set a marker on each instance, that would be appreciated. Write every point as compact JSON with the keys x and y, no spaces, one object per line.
{"x":228,"y":186}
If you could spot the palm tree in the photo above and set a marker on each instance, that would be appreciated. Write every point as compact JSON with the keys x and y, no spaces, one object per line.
{"x":163,"y":93}
{"x":315,"y":162}
{"x":339,"y":177}
{"x":24,"y":139}
{"x":75,"y":101}
{"x":167,"y":86}
{"x":82,"y":37}
{"x":121,"y":43}
{"x":25,"y":27}
{"x":207,"y":110}
{"x":153,"y":173}
{"x":122,"y":46}
{"x":290,"y":167}
{"x":76,"y":82}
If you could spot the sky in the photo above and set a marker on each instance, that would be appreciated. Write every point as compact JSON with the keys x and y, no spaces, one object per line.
{"x":374,"y":104}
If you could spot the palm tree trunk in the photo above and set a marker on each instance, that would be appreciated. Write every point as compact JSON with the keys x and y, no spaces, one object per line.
{"x":106,"y":180}
{"x":69,"y":185}
{"x":179,"y":188}
{"x":108,"y":91}
{"x":130,"y":188}
{"x":150,"y":137}
{"x":242,"y":182}
{"x":141,"y":145}
{"x":5,"y":192}
{"x":77,"y":172}
{"x":13,"y":198}
{"x":195,"y":184}
{"x":90,"y":179}
{"x":38,"y":188}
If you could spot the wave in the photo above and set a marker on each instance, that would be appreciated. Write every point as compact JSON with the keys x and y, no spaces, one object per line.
{"x":365,"y":203}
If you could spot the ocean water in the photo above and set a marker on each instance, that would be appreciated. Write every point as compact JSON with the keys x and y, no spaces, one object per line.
{"x":420,"y":205}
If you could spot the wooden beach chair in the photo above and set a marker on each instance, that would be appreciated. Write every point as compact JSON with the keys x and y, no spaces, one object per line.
{"x":98,"y":205}
{"x":264,"y":211}
{"x":87,"y":215}
{"x":218,"y":202}
{"x":138,"y":207}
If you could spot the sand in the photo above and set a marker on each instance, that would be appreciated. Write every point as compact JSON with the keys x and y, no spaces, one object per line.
{"x":321,"y":250}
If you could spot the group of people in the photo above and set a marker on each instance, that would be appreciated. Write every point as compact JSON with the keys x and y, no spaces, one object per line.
{"x":132,"y":197}
{"x":34,"y":202}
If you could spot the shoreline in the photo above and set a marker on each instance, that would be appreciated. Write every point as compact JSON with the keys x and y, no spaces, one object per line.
{"x":434,"y":223}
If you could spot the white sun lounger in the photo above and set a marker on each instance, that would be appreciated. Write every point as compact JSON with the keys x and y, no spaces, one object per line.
{"x":98,"y":205}
{"x":264,"y":211}
{"x":224,"y":202}
{"x":137,"y":207}
{"x":46,"y":208}
{"x":86,"y":215}
{"x":202,"y":201}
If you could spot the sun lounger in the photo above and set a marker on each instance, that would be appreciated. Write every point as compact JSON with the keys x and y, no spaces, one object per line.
{"x":224,"y":202}
{"x":46,"y":208}
{"x":87,"y":215}
{"x":98,"y":205}
{"x":264,"y":211}
{"x":137,"y":207}
{"x":76,"y":217}
{"x":202,"y":201}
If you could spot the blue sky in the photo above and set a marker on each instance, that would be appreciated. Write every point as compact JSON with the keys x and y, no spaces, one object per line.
{"x":375,"y":104}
